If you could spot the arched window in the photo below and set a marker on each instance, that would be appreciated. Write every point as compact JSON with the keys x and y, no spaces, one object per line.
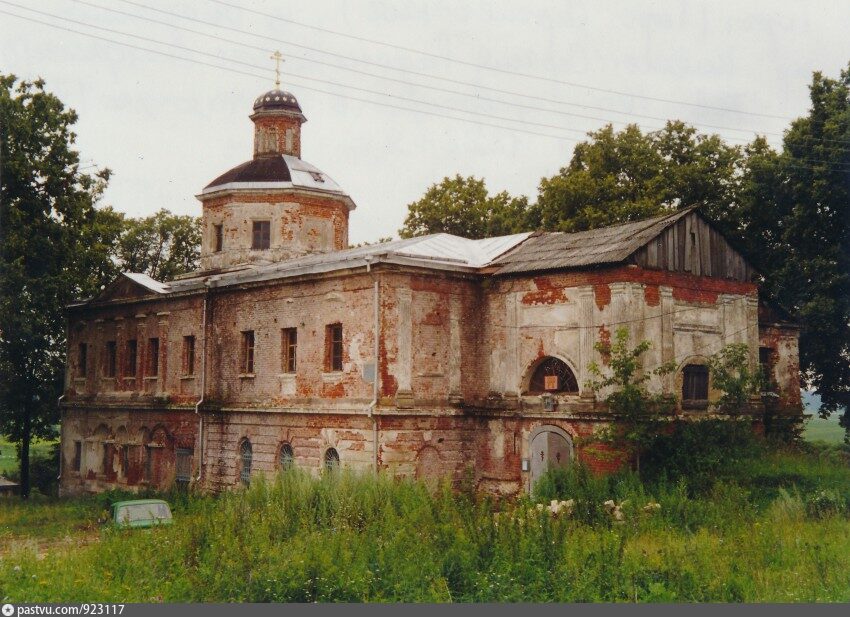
{"x":286,"y":458}
{"x":245,"y":457}
{"x":694,"y":383}
{"x":552,"y":375}
{"x":331,"y":460}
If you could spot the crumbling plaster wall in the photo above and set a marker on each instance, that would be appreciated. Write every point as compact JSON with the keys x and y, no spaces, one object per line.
{"x":685,"y":318}
{"x":301,"y":223}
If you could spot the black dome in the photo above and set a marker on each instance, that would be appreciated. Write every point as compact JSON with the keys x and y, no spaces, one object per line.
{"x":277,"y":100}
{"x":263,"y":169}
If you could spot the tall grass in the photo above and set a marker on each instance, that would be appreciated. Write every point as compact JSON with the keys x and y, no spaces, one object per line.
{"x":348,"y":539}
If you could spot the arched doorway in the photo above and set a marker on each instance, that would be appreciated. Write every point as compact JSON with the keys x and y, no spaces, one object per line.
{"x":550,"y":448}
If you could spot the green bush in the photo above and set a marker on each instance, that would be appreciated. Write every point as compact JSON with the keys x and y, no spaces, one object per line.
{"x":825,"y":503}
{"x":700,"y":452}
{"x":44,"y":471}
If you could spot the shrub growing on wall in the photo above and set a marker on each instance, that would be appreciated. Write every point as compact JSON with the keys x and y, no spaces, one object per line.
{"x":731,"y":374}
{"x":640,"y":415}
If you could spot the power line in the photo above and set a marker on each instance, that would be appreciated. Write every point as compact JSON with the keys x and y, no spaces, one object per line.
{"x":418,"y":73}
{"x":310,"y":88}
{"x":426,"y":86}
{"x":469,"y":84}
{"x":419,"y":85}
{"x":403,"y":98}
{"x":315,"y":79}
{"x":490,"y":68}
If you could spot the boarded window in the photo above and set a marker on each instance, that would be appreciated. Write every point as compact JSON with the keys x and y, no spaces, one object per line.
{"x":132,"y":349}
{"x":183,"y":466}
{"x":261,"y":237}
{"x":245,"y":458}
{"x":106,"y":464}
{"x":188,"y":355}
{"x":766,"y":366}
{"x":77,"y":463}
{"x":695,"y":383}
{"x":331,"y":460}
{"x":148,"y":463}
{"x":82,"y":359}
{"x":286,"y":459}
{"x":125,"y":459}
{"x":333,"y":347}
{"x":109,"y":360}
{"x":289,"y":348}
{"x":247,"y":359}
{"x":153,"y":357}
{"x":552,"y":375}
{"x":218,"y":238}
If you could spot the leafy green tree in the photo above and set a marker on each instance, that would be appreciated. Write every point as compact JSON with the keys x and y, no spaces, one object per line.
{"x":162,"y":246}
{"x":629,"y":175}
{"x":640,"y":415}
{"x":463,"y":207}
{"x":99,"y":264}
{"x":732,"y":376}
{"x":806,"y":263}
{"x":46,"y":204}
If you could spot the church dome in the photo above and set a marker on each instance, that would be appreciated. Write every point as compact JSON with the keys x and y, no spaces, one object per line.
{"x":275,"y":172}
{"x":277,"y":100}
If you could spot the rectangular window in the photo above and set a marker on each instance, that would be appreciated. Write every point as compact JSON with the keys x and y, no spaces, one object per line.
{"x":148,"y":463}
{"x":261,"y":238}
{"x":218,"y":238}
{"x":109,"y":360}
{"x":289,"y":348}
{"x":132,"y":349}
{"x":153,"y":357}
{"x":78,"y":456}
{"x":188,"y":355}
{"x":766,"y":366}
{"x":695,"y":383}
{"x":82,"y":359}
{"x":248,"y":352}
{"x":333,"y":347}
{"x":125,"y":459}
{"x":107,"y":459}
{"x":183,"y":467}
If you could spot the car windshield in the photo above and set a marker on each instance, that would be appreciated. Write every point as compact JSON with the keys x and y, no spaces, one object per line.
{"x":143,"y":512}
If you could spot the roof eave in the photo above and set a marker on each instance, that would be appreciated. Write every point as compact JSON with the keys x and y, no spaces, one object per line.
{"x":235,"y":188}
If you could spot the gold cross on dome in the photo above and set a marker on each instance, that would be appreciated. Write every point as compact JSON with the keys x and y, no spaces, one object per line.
{"x":278,"y":58}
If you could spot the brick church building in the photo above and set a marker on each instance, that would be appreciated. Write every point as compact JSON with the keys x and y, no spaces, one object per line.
{"x":427,"y":357}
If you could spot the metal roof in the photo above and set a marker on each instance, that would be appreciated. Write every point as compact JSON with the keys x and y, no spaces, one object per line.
{"x":517,"y":253}
{"x":147,"y":282}
{"x":275,"y":172}
{"x":556,"y":250}
{"x":436,"y":251}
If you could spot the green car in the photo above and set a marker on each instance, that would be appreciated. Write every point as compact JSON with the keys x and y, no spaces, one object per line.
{"x":141,"y":513}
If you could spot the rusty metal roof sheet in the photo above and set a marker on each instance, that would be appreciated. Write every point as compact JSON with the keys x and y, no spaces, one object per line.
{"x":555,"y":250}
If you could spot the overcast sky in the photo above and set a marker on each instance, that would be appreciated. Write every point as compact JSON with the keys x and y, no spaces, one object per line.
{"x":166,"y":127}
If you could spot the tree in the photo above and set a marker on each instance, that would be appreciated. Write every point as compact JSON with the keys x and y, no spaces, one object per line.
{"x":463,"y":207}
{"x":46,"y":206}
{"x":629,"y":175}
{"x":731,"y":374}
{"x":639,"y":416}
{"x":162,"y":246}
{"x":99,"y":264}
{"x":807,"y":261}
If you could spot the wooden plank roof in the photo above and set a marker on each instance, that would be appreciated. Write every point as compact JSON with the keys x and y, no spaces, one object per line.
{"x":606,"y":245}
